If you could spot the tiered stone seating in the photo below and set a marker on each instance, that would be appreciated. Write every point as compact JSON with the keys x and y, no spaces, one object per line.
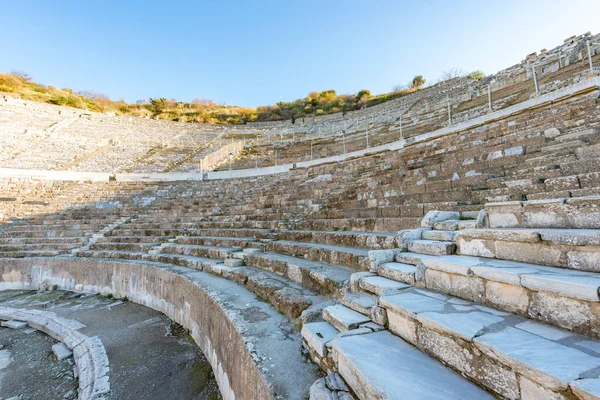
{"x":29,"y":233}
{"x":463,"y":266}
{"x":475,"y":314}
{"x":423,"y":111}
{"x":80,"y":140}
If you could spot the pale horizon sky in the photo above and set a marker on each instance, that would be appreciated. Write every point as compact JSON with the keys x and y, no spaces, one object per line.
{"x":258,"y":53}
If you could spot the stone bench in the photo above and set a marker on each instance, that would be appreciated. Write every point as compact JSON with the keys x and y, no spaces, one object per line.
{"x":570,"y":213}
{"x":577,"y":249}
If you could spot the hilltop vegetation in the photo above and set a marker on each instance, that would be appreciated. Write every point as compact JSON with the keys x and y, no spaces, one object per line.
{"x":20,"y":84}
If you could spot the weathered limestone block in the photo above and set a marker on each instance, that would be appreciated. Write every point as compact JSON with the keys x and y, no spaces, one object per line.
{"x":551,"y":133}
{"x":475,"y":247}
{"x":493,"y":155}
{"x":319,"y":391}
{"x":583,"y":212}
{"x":591,"y":179}
{"x":403,"y":326}
{"x":482,"y":220}
{"x":533,"y":391}
{"x":379,"y":315}
{"x":578,"y":316}
{"x":544,"y":214}
{"x":504,"y":214}
{"x":585,"y":261}
{"x":445,"y":349}
{"x":514,"y":151}
{"x":562,"y":183}
{"x":377,"y":257}
{"x":437,"y":216}
{"x":398,"y":272}
{"x":534,"y":253}
{"x":407,"y":236}
{"x":355,"y":279}
{"x":506,"y":297}
{"x":466,"y":287}
{"x":317,"y":335}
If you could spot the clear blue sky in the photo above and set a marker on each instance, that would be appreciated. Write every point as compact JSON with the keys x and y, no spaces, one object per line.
{"x":260,"y":52}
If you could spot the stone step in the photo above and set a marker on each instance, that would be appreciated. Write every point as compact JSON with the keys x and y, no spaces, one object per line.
{"x":562,"y":213}
{"x":360,"y":302}
{"x":432,"y":247}
{"x":563,"y":298}
{"x":370,"y":240}
{"x":45,"y":240}
{"x":343,"y":318}
{"x":200,"y":263}
{"x":116,"y":254}
{"x":286,"y":296}
{"x":337,"y":255}
{"x":246,"y":233}
{"x":412,"y":258}
{"x":454,"y":225}
{"x":45,"y":234}
{"x":316,"y":336}
{"x":387,"y":224}
{"x":314,"y":275}
{"x":59,"y":227}
{"x":125,"y":231}
{"x":138,"y":247}
{"x":577,"y":249}
{"x":379,"y":365}
{"x":135,"y":239}
{"x":398,"y":272}
{"x":379,"y":285}
{"x":443,"y":236}
{"x":221,"y":241}
{"x":198,"y":250}
{"x":511,"y":356}
{"x":37,"y":247}
{"x":32,"y":253}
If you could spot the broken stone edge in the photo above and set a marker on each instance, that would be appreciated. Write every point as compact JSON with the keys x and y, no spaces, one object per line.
{"x":90,"y":358}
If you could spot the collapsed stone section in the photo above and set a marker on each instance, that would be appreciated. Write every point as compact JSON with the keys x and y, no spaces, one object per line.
{"x":88,"y":352}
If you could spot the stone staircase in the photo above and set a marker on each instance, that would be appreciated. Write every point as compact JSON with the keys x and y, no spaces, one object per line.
{"x":473,"y":312}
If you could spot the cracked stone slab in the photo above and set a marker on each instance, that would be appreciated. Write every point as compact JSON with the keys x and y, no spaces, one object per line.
{"x":551,"y":363}
{"x":12,"y":324}
{"x":317,"y":335}
{"x":61,"y":351}
{"x":381,"y":366}
{"x":343,"y":318}
{"x":465,"y":325}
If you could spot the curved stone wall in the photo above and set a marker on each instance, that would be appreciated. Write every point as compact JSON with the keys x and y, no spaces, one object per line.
{"x":199,"y":302}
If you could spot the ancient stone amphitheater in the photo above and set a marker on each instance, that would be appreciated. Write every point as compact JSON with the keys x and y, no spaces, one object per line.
{"x":443,"y":245}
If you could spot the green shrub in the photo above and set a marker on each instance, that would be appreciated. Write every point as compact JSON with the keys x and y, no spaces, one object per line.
{"x":362,"y":93}
{"x":477,"y":74}
{"x":417,"y":82}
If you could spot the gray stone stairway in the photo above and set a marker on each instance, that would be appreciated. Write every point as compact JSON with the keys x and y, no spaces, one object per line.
{"x":477,"y":315}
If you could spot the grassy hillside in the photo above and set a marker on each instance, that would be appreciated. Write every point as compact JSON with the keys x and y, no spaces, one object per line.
{"x":21,"y":85}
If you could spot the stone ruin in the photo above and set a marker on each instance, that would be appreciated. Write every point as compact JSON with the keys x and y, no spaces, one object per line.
{"x":459,"y":261}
